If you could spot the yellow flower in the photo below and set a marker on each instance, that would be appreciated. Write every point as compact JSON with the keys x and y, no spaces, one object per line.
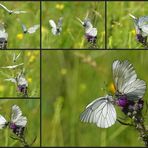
{"x":20,"y":36}
{"x":30,"y":80}
{"x":44,"y":30}
{"x":29,"y":53}
{"x":63,"y":71}
{"x":112,"y":88}
{"x":32,"y":58}
{"x":133,"y":32}
{"x":60,"y":6}
{"x":2,"y":88}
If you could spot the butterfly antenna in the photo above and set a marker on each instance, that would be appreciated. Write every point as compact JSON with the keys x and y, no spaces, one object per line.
{"x":132,"y":16}
{"x":80,"y":20}
{"x":86,"y":17}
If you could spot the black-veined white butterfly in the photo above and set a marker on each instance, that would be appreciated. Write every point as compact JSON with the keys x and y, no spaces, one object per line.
{"x":3,"y":37}
{"x":90,"y":31}
{"x":128,"y":88}
{"x":17,"y":122}
{"x":141,"y":27}
{"x":56,"y":29}
{"x":30,"y":30}
{"x":12,"y":11}
{"x":21,"y":82}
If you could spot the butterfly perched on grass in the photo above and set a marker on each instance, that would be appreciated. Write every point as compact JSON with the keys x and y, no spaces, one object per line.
{"x":56,"y":28}
{"x":129,"y":90}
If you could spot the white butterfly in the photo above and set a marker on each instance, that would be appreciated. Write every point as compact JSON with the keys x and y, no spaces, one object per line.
{"x":3,"y":33}
{"x":15,"y":58}
{"x":16,"y":121}
{"x":3,"y":122}
{"x":89,"y":29}
{"x":17,"y":118}
{"x":12,"y":66}
{"x":30,"y":30}
{"x":141,"y":25}
{"x":12,"y":11}
{"x":56,"y":29}
{"x":101,"y":111}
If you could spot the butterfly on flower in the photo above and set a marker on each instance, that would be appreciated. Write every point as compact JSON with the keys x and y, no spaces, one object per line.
{"x":129,"y":91}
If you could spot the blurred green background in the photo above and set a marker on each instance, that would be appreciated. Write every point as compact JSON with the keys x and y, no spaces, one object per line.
{"x":120,"y":26}
{"x":16,"y":38}
{"x":31,"y":60}
{"x":31,"y":109}
{"x":71,"y":80}
{"x":72,"y":35}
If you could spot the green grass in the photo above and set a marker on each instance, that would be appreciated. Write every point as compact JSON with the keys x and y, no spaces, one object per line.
{"x":72,"y":35}
{"x":30,"y":109}
{"x":31,"y":60}
{"x":120,"y":26}
{"x":13,"y":26}
{"x":70,"y":83}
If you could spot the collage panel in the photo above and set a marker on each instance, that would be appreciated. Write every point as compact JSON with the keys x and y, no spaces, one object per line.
{"x":127,"y":28}
{"x":75,"y":78}
{"x":19,"y":24}
{"x":73,"y":24}
{"x":19,"y":73}
{"x":19,"y":122}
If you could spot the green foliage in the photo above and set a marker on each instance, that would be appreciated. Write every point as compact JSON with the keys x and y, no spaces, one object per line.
{"x":30,"y":109}
{"x":31,"y":60}
{"x":16,"y":38}
{"x":71,"y":80}
{"x":72,"y":35}
{"x":120,"y":26}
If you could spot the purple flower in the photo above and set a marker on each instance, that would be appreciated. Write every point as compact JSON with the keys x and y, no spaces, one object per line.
{"x":122,"y":101}
{"x":91,"y":39}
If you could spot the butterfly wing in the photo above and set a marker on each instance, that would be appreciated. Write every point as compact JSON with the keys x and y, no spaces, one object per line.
{"x":52,"y":24}
{"x":12,"y":66}
{"x":144,"y":29}
{"x":24,"y":28}
{"x":4,"y":7}
{"x":125,"y":80}
{"x":33,"y":29}
{"x":13,"y":80}
{"x":16,"y":116}
{"x":92,"y":32}
{"x":18,"y":11}
{"x":2,"y":122}
{"x":22,"y":81}
{"x":60,"y":22}
{"x":101,"y":112}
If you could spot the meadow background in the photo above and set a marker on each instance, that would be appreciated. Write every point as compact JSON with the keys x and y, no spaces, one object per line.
{"x":31,"y":60}
{"x":70,"y":81}
{"x":16,"y":37}
{"x":120,"y":26}
{"x":72,"y":35}
{"x":31,"y":109}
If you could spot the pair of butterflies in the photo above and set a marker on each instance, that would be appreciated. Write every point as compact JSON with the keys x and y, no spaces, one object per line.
{"x":141,"y":27}
{"x":17,"y":122}
{"x":90,"y":31}
{"x":102,"y":111}
{"x":29,"y":30}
